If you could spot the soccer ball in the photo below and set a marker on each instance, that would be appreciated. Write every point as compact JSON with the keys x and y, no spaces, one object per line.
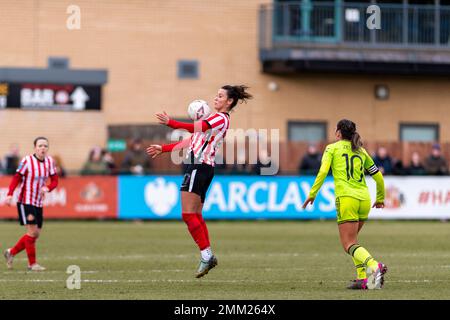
{"x":198,"y":110}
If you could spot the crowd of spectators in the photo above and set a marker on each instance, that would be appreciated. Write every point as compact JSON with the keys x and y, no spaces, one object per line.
{"x":434,"y":164}
{"x":97,"y":163}
{"x":137,"y":162}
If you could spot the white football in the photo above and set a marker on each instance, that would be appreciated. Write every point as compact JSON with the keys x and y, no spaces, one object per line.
{"x":199,"y":110}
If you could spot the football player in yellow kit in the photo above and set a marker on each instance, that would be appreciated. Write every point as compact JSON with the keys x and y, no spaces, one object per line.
{"x":348,"y":161}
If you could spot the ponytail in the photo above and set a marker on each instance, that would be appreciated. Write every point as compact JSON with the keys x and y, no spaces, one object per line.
{"x":348,"y":132}
{"x":237,"y":93}
{"x":356,"y":142}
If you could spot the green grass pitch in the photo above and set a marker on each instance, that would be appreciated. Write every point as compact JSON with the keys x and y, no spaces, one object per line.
{"x":257,"y":260}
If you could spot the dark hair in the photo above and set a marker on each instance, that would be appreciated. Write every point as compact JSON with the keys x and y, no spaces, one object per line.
{"x":237,"y":93}
{"x":39,"y":138}
{"x":348,"y":132}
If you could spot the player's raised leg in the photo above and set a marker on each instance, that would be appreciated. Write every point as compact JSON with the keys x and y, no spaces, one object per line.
{"x":191,"y":204}
{"x":208,"y":260}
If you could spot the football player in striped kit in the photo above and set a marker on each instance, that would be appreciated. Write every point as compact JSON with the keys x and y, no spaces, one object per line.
{"x":207,"y":136}
{"x":32,"y":174}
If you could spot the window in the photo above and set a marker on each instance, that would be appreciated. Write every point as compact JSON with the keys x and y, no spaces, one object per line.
{"x":307,"y":131}
{"x":58,"y":63}
{"x":419,"y":132}
{"x":188,"y":69}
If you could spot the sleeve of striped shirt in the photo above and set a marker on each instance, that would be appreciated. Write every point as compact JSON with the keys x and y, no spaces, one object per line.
{"x":53,"y":182}
{"x":52,"y":168}
{"x":370,"y":165}
{"x":177,"y":145}
{"x":14,"y":183}
{"x":23,"y":167}
{"x":191,"y":127}
{"x":216,"y":121}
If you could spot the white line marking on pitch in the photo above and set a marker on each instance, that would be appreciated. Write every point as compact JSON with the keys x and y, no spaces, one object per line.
{"x":213,"y":281}
{"x":151,"y":256}
{"x":17,"y":271}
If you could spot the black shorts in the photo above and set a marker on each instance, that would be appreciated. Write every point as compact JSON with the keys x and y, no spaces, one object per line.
{"x":29,"y":214}
{"x":197,"y":178}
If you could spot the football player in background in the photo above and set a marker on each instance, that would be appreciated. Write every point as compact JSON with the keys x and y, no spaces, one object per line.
{"x":32,"y":174}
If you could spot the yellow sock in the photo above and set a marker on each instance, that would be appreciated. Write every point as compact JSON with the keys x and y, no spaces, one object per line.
{"x":360,"y":269}
{"x":361,"y":254}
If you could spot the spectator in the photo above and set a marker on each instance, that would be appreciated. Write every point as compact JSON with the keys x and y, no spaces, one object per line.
{"x":59,"y":167}
{"x":109,"y":159}
{"x":398,"y":169}
{"x":383,"y":161}
{"x":311,"y":161}
{"x":11,"y":161}
{"x":136,"y":160}
{"x":416,"y":167}
{"x":95,"y":165}
{"x":436,"y":164}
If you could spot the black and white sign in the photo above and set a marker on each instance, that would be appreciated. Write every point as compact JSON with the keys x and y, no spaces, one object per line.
{"x":66,"y":97}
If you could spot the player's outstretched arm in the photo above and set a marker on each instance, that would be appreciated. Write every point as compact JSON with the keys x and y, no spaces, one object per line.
{"x":320,"y":178}
{"x":155,"y":149}
{"x":164,"y":119}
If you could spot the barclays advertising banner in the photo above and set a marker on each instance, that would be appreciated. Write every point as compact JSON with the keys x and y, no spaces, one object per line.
{"x":229,"y":197}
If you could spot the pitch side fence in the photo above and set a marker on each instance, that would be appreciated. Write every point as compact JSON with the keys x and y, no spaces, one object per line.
{"x":230,"y":198}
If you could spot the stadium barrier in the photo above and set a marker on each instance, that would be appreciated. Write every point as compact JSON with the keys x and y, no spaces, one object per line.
{"x":75,"y":198}
{"x":231,"y":197}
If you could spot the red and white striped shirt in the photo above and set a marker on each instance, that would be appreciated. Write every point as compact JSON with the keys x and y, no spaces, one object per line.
{"x":205,"y":144}
{"x":35,"y":174}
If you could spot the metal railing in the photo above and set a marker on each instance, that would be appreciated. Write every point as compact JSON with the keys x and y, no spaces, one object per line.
{"x":291,"y":23}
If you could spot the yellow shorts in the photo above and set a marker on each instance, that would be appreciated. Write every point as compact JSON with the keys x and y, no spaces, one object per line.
{"x":351,"y":209}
